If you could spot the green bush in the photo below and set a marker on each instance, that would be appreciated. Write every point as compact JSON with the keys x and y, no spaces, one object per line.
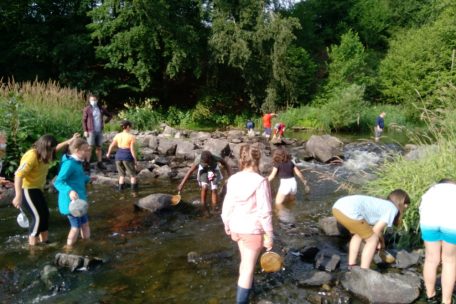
{"x":143,"y":116}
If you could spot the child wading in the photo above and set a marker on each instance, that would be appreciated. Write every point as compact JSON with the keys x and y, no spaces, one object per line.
{"x":126,"y":159}
{"x":71,"y":183}
{"x":286,"y":169}
{"x":209,"y":176}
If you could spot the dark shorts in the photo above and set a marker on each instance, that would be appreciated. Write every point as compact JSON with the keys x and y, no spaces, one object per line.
{"x":126,"y":166}
{"x":95,"y":139}
{"x":36,"y":208}
{"x":77,"y":222}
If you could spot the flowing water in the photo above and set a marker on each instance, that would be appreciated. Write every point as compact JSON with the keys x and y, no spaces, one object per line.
{"x":146,"y":255}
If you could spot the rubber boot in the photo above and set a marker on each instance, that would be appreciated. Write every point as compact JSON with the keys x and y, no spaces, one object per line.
{"x":134,"y":187}
{"x":120,"y":187}
{"x":242,"y":295}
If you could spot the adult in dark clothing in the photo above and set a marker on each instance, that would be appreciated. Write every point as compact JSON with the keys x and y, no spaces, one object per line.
{"x":93,"y":123}
{"x":379,"y":126}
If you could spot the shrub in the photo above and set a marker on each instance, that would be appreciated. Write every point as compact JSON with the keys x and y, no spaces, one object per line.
{"x":143,"y":116}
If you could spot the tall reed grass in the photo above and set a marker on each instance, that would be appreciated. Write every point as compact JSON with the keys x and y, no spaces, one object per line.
{"x":436,"y":160}
{"x":31,"y":109}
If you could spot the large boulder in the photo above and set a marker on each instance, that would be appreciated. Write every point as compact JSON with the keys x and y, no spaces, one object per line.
{"x":153,"y":142}
{"x":200,"y":135}
{"x":167,"y":146}
{"x":217,"y":147}
{"x":324,"y":147}
{"x":168,"y":132}
{"x":382,"y":288}
{"x":163,"y":172}
{"x":185,"y":150}
{"x":155,"y":201}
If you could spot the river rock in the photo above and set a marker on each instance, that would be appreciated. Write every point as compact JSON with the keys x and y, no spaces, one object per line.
{"x":104,"y":180}
{"x":161,"y":161}
{"x":145,"y":174}
{"x":382,"y":288}
{"x":406,"y":259}
{"x":314,"y":278}
{"x":185,"y":149}
{"x":51,"y":277}
{"x":168,"y":132}
{"x":308,"y":253}
{"x":167,"y":146}
{"x":163,"y":172}
{"x":6,"y":196}
{"x":76,"y":262}
{"x":331,"y":227}
{"x":325,"y":147}
{"x":143,"y":141}
{"x":200,"y":135}
{"x":153,"y":143}
{"x":327,"y":261}
{"x":219,"y":147}
{"x":420,"y":152}
{"x":235,"y":133}
{"x":148,"y":153}
{"x":155,"y":201}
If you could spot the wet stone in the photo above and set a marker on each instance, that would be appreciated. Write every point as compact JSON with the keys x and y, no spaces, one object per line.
{"x":327,"y":261}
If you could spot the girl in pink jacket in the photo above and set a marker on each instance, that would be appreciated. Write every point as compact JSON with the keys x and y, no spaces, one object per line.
{"x":247,"y":216}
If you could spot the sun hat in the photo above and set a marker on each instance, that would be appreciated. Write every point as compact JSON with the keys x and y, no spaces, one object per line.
{"x":78,"y":207}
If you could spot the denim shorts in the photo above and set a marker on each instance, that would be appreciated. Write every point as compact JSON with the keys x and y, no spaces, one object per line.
{"x":77,"y":222}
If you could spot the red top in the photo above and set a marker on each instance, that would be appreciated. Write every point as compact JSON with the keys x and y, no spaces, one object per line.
{"x":267,"y":120}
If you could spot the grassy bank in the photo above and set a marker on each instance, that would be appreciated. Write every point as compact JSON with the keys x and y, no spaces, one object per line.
{"x":416,"y":176}
{"x":32,"y":109}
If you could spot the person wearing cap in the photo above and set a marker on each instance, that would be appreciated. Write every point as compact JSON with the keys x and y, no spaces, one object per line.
{"x":71,"y":184}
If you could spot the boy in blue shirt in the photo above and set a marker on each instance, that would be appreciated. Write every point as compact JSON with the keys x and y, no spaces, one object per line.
{"x":379,"y":126}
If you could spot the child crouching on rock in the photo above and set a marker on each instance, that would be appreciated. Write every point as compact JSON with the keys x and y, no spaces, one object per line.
{"x":71,"y":183}
{"x":126,"y":159}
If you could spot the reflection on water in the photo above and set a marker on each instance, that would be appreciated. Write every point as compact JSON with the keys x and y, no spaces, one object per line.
{"x":146,"y":254}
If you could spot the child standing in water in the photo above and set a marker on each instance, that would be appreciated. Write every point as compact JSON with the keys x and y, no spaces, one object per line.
{"x":126,"y":159}
{"x":71,"y":183}
{"x":29,"y":181}
{"x":286,"y":169}
{"x":247,"y":216}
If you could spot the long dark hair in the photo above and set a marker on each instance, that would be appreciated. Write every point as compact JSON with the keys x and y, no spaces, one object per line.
{"x":45,"y":148}
{"x":280,"y":156}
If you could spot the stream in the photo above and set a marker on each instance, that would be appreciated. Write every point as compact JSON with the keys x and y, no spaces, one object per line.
{"x":146,"y":255}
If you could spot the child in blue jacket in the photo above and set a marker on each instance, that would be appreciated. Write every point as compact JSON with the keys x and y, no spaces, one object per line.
{"x":71,"y":183}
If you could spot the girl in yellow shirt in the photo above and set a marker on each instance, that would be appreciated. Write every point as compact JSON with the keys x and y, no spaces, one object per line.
{"x":29,"y":182}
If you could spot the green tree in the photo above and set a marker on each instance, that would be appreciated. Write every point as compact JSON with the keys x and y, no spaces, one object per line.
{"x":159,"y":42}
{"x":347,"y":62}
{"x":420,"y":61}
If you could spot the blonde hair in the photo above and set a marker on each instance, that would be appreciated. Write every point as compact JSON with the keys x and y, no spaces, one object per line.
{"x":76,"y":144}
{"x":249,"y":156}
{"x":399,"y":198}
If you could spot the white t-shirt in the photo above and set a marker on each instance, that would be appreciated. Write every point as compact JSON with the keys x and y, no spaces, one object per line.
{"x":368,"y":208}
{"x":438,"y":206}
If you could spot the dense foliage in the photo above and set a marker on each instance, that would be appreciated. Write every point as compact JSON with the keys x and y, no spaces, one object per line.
{"x":237,"y":57}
